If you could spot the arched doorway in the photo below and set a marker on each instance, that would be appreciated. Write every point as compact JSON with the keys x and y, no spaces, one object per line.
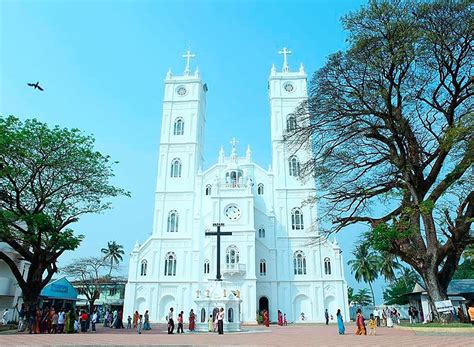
{"x":263,"y":304}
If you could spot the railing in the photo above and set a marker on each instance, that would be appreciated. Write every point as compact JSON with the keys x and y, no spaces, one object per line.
{"x":235,"y":267}
{"x":234,"y":185}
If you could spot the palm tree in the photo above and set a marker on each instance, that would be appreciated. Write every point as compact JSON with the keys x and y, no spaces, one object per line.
{"x":362,"y":297}
{"x":365,"y":266}
{"x":387,"y":265}
{"x":114,"y":252}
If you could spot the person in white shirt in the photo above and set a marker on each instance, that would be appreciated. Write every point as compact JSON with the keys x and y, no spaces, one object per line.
{"x":61,"y":320}
{"x":170,"y":322}
{"x":220,"y":321}
{"x":94,"y":320}
{"x":376,"y":314}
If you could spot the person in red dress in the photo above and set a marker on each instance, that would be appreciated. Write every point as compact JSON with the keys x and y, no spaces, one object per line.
{"x":266,"y":318}
{"x":192,"y":320}
{"x":280,"y":318}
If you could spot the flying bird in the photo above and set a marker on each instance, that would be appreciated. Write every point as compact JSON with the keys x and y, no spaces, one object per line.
{"x":35,"y":86}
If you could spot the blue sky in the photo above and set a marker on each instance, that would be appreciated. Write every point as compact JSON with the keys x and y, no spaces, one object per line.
{"x":102,"y":64}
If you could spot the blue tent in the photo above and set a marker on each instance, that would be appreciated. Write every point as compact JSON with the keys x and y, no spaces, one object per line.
{"x":59,"y":293}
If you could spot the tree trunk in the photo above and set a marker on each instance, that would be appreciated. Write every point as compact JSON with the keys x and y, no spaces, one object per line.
{"x":31,"y":294}
{"x":372,"y":291}
{"x":434,"y":289}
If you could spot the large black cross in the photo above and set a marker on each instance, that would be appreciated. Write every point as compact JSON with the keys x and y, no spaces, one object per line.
{"x":218,"y":233}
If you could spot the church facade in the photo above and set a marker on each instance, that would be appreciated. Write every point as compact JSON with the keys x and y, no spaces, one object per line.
{"x":275,"y":258}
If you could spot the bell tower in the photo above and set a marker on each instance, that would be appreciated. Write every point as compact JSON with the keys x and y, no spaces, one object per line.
{"x":287,"y":89}
{"x":181,"y":144}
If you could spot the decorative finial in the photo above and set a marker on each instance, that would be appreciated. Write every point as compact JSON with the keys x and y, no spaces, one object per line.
{"x":196,"y":73}
{"x":234,"y":142}
{"x":169,"y":74}
{"x":221,"y":155}
{"x":302,"y":68}
{"x":273,"y":70}
{"x":188,"y":56}
{"x":285,"y":52}
{"x":248,"y":154}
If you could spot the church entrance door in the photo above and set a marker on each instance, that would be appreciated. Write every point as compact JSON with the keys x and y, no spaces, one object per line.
{"x":263,"y":304}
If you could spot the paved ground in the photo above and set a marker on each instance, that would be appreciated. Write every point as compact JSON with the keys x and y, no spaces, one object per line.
{"x":298,"y":335}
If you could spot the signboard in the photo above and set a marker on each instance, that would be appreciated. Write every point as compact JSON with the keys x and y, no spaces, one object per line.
{"x":444,"y":306}
{"x":59,"y":288}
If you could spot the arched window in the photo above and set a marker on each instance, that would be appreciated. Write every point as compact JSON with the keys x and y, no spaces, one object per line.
{"x":208,"y":189}
{"x":294,"y":166}
{"x":230,"y":315}
{"x":299,"y":263}
{"x":170,"y":264}
{"x":207,"y":266}
{"x":261,"y":232}
{"x":327,"y":266}
{"x":176,"y":167}
{"x":178,"y":126}
{"x":297,"y":219}
{"x":173,"y":220}
{"x":263,"y":267}
{"x":260,"y":189}
{"x":291,"y":123}
{"x":203,"y":315}
{"x":232,"y":256}
{"x":143,"y":268}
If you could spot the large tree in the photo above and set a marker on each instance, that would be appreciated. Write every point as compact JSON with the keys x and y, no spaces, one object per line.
{"x":49,"y":178}
{"x":390,"y":123}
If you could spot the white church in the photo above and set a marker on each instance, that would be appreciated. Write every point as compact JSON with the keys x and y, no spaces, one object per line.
{"x":275,"y":258}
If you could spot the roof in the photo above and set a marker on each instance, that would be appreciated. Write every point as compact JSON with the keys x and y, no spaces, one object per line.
{"x":60,"y":288}
{"x":455,"y":288}
{"x":460,"y":287}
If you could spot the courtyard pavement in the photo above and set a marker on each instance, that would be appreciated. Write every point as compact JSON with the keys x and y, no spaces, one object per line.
{"x":294,"y":335}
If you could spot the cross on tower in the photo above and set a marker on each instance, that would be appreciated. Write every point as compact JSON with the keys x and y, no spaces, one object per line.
{"x":218,"y":233}
{"x":188,"y":56}
{"x":285,"y":52}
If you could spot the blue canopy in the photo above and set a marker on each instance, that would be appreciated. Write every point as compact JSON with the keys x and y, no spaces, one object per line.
{"x":60,"y":289}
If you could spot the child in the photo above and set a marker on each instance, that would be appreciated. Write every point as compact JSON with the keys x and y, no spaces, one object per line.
{"x":139,"y":325}
{"x":210,"y":324}
{"x":76,"y":326}
{"x":372,"y":325}
{"x":129,"y":322}
{"x":285,"y":322}
{"x":180,"y":323}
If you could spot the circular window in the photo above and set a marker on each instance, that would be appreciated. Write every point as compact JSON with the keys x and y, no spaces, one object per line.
{"x":289,"y":87}
{"x":181,"y":91}
{"x":232,"y":212}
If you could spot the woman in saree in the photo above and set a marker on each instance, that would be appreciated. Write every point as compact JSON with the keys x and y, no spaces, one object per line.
{"x":266,"y":318}
{"x":70,"y":318}
{"x":360,"y":323}
{"x":192,"y":320}
{"x":340,"y":323}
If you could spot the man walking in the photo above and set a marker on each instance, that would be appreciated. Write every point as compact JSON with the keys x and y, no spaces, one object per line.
{"x":170,"y":322}
{"x":326,"y":315}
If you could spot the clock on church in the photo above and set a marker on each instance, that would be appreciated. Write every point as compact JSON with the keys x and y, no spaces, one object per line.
{"x":232,"y":212}
{"x":181,"y":90}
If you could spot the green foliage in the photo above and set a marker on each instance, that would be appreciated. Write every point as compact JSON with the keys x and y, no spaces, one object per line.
{"x":364,"y":266}
{"x":395,"y":293}
{"x":113,"y":253}
{"x":465,"y":270}
{"x":49,"y":178}
{"x":383,"y":235}
{"x":350,"y":294}
{"x":362,"y":297}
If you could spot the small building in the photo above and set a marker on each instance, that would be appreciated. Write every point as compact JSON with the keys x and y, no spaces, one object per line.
{"x":111,"y":297}
{"x":460,"y":292}
{"x":10,"y":292}
{"x":59,"y":293}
